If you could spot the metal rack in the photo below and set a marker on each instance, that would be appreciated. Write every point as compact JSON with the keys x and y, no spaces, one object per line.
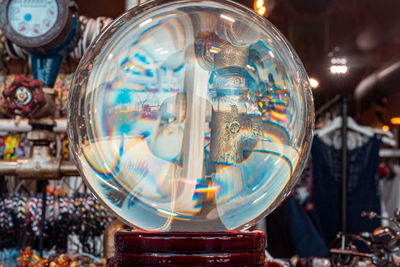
{"x":341,"y":100}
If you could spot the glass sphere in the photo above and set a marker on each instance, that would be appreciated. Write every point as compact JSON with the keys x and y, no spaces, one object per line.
{"x":190,"y":116}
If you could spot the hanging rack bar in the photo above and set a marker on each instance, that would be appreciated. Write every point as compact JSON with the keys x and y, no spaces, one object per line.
{"x":344,"y":165}
{"x":389,"y":153}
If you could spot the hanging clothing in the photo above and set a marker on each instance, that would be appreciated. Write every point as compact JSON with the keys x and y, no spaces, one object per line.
{"x":354,"y":139}
{"x":390,"y":190}
{"x":363,"y":190}
{"x":291,"y":232}
{"x":303,"y":188}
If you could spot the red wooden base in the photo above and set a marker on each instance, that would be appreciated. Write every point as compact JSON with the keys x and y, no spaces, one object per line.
{"x":136,"y":248}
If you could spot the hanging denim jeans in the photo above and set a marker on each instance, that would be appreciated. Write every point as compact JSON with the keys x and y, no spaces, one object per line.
{"x":363,"y":190}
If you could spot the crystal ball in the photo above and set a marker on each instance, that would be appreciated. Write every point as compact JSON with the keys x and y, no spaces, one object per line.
{"x":190,"y":116}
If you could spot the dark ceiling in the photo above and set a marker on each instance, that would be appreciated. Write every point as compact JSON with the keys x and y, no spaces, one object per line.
{"x":366,"y":32}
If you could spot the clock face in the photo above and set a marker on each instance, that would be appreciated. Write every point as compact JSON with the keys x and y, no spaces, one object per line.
{"x":32,"y":18}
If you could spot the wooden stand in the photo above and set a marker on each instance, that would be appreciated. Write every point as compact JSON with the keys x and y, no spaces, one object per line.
{"x":145,"y":249}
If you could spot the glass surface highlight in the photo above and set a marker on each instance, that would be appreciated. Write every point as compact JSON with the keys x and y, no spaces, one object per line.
{"x":190,"y":116}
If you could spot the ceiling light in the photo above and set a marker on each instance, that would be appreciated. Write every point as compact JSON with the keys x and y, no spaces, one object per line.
{"x":338,"y":69}
{"x":259,"y":3}
{"x":395,"y":120}
{"x":385,"y":128}
{"x":338,"y":65}
{"x":259,"y":7}
{"x":314,"y":83}
{"x":262,"y":11}
{"x":339,"y":61}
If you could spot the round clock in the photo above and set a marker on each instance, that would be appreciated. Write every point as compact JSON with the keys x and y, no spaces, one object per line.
{"x":36,"y":24}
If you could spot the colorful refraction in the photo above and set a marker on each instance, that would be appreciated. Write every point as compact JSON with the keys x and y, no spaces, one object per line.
{"x":190,"y":116}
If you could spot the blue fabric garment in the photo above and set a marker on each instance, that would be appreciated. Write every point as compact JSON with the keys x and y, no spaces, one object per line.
{"x":306,"y":240}
{"x":363,"y":189}
{"x":291,"y":232}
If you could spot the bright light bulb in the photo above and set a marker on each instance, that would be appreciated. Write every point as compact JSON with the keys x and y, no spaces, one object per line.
{"x":385,"y":128}
{"x":338,"y":69}
{"x":259,"y":3}
{"x":339,"y":61}
{"x":395,"y":120}
{"x":262,"y":10}
{"x":314,"y":83}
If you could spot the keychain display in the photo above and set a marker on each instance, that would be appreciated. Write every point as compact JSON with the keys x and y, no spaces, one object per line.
{"x":81,"y":215}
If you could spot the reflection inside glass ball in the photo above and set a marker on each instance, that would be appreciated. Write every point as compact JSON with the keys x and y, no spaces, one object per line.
{"x":193,"y":118}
